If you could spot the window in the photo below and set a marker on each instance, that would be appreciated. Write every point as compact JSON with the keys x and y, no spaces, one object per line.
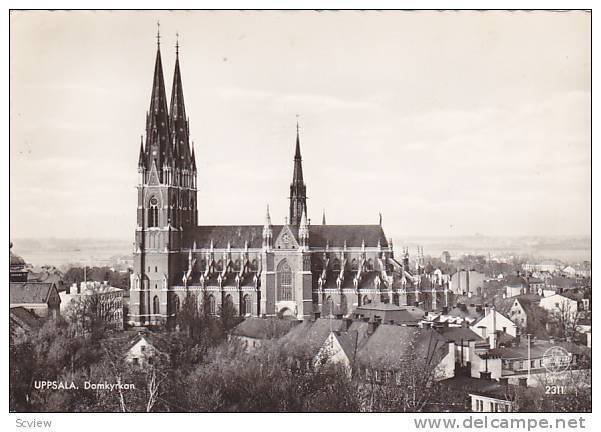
{"x":343,"y":304}
{"x":336,"y":265}
{"x":153,"y":213}
{"x":229,"y":301}
{"x":155,"y":305}
{"x":176,"y":304}
{"x":247,"y":305}
{"x":284,"y":281}
{"x":156,"y":270}
{"x":328,"y":307}
{"x":211,"y":303}
{"x":142,"y":348}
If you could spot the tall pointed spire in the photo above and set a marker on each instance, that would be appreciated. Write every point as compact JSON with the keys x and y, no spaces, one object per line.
{"x":298,"y":189}
{"x":297,"y":176}
{"x":141,"y":161}
{"x":323,"y":218}
{"x":157,"y":122}
{"x":177,"y":117}
{"x":303,"y":229}
{"x":267,"y":230}
{"x":193,"y":157}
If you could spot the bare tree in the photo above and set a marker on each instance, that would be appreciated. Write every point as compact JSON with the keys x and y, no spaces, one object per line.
{"x":566,"y":317}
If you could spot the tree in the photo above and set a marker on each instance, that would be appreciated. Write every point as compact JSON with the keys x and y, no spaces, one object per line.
{"x":94,"y":314}
{"x":406,"y":384}
{"x":566,"y":317}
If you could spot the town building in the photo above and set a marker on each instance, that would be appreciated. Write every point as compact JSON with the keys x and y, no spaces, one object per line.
{"x":562,"y":303}
{"x":466,"y":282}
{"x":106,"y":301}
{"x":391,"y":348}
{"x":254,"y":332}
{"x":492,"y":322}
{"x":17,"y":271}
{"x":40,"y":298}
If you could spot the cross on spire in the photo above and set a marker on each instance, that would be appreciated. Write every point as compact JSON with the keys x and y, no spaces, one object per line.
{"x":158,"y":34}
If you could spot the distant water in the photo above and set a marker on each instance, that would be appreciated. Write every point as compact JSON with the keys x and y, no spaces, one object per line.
{"x":61,"y":252}
{"x":567,"y":249}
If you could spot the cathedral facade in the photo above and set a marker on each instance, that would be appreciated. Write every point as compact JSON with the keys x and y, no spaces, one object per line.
{"x":296,"y":270}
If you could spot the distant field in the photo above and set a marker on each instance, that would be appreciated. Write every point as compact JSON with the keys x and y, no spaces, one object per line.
{"x":59,"y":252}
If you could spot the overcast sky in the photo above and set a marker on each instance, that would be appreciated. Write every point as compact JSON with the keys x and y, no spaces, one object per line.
{"x":448,"y":123}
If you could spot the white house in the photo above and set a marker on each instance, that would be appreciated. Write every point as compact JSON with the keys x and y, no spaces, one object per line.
{"x":143,"y":350}
{"x":559,"y":303}
{"x":491,"y":322}
{"x":338,"y":348}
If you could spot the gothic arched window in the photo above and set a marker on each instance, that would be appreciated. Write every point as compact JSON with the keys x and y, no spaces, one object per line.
{"x":317,"y":264}
{"x":328,"y":307}
{"x":211,"y":304}
{"x":336,"y":265}
{"x":153,"y":213}
{"x":155,"y":305}
{"x":343,"y":304}
{"x":284,"y":281}
{"x":176,"y":304}
{"x":247,"y":305}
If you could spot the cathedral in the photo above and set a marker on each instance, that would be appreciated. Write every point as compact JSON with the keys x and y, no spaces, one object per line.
{"x":297,"y":270}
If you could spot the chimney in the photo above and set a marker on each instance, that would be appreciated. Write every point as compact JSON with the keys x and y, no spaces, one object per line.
{"x":317,"y":315}
{"x":523,"y":382}
{"x":471,"y":351}
{"x":485,"y":375}
{"x":493,"y":340}
{"x":81,"y":287}
{"x":347,"y":323}
{"x":517,"y":339}
{"x":427,"y":325}
{"x":479,"y":308}
{"x":445,"y":310}
{"x":486,"y":310}
{"x":504,"y":381}
{"x":416,"y":304}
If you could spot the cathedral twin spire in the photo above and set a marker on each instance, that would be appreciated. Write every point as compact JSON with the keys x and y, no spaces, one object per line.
{"x":298,"y":189}
{"x":167,"y":131}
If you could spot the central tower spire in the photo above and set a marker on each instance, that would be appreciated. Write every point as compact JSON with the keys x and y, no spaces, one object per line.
{"x":298,"y":189}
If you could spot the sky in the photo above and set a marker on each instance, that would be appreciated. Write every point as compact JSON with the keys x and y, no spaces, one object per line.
{"x":447,"y":123}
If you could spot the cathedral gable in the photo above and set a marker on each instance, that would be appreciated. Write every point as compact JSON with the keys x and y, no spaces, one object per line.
{"x":153,"y":178}
{"x":286,"y":239}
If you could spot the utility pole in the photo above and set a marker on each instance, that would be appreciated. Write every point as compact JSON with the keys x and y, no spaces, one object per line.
{"x":528,"y":359}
